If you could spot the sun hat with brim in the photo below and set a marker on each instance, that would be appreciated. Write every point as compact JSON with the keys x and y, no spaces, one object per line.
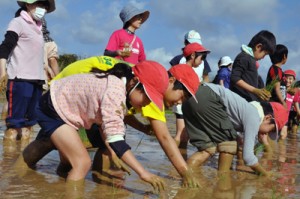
{"x":278,"y":112}
{"x":155,"y":80}
{"x":22,"y":4}
{"x":225,"y":61}
{"x":187,"y":76}
{"x":194,"y":47}
{"x":129,"y":11}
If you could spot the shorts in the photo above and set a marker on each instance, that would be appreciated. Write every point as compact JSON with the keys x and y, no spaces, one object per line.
{"x":48,"y":119}
{"x":293,"y":118}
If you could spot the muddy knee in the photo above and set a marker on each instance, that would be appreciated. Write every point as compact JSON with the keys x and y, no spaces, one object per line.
{"x":228,"y":147}
{"x":36,"y":150}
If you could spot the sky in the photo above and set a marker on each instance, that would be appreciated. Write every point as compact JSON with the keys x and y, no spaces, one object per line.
{"x":83,"y":27}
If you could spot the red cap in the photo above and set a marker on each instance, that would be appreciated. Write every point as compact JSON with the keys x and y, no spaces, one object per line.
{"x":290,"y":72}
{"x":281,"y":115}
{"x":155,"y":80}
{"x":194,"y":47}
{"x":187,"y":76}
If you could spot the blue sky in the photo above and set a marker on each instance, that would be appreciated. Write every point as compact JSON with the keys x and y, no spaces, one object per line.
{"x":83,"y":27}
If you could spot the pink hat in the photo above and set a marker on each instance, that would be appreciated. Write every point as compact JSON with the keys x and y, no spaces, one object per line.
{"x":155,"y":80}
{"x":187,"y":76}
{"x":194,"y":47}
{"x":281,"y":115}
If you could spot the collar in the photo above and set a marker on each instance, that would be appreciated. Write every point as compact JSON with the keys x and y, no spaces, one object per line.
{"x":29,"y":19}
{"x":247,"y":50}
{"x":128,"y":31}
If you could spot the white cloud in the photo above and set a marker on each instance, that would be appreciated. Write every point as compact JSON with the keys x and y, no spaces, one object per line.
{"x":160,"y":55}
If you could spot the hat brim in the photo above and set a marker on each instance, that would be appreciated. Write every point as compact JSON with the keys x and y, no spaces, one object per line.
{"x":274,"y":134}
{"x":154,"y":96}
{"x":145,"y":16}
{"x":50,"y":9}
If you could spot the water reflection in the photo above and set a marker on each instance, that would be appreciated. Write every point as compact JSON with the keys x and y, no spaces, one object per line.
{"x":43,"y":182}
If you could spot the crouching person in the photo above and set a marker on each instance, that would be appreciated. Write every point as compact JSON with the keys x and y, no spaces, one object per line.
{"x":212,"y":124}
{"x":96,"y":98}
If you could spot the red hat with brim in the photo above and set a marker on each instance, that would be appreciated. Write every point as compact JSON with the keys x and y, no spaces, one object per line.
{"x":187,"y":76}
{"x":194,"y":47}
{"x":280,"y":114}
{"x":155,"y":80}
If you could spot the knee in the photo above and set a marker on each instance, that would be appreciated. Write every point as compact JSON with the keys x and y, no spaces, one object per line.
{"x":228,"y":147}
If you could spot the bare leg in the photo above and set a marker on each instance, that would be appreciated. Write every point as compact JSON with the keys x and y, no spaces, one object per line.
{"x":68,"y":142}
{"x":197,"y":159}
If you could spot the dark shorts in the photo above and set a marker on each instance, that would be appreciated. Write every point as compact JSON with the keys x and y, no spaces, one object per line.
{"x":178,"y":116}
{"x":293,"y":119}
{"x":207,"y":122}
{"x":48,"y":119}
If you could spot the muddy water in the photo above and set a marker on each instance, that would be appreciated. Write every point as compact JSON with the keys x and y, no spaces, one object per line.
{"x":43,"y":182}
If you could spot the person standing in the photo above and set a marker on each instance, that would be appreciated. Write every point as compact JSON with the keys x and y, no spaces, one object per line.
{"x":21,"y":58}
{"x":123,"y":43}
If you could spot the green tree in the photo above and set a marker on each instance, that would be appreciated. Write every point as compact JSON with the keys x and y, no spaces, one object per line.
{"x":66,"y":59}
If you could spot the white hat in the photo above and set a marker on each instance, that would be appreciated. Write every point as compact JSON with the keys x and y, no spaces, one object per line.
{"x":225,"y":61}
{"x":193,"y":37}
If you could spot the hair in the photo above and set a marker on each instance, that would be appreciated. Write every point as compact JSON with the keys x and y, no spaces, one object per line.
{"x":179,"y":86}
{"x":266,"y":38}
{"x":18,"y":12}
{"x":119,"y":70}
{"x":278,"y":55}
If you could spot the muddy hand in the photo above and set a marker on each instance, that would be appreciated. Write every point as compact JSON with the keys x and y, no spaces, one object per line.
{"x":189,"y":179}
{"x":157,"y":183}
{"x":262,"y":94}
{"x":120,"y":164}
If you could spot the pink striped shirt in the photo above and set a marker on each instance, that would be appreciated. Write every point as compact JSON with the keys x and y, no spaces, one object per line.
{"x":84,"y":99}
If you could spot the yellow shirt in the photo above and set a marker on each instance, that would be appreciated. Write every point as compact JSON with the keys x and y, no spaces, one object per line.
{"x":105,"y":63}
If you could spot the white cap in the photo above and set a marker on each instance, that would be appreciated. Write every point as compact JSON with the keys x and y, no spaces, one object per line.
{"x":225,"y":61}
{"x":193,"y":37}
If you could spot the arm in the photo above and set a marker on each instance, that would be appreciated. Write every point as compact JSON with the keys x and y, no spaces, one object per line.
{"x":279,"y":95}
{"x":138,"y":125}
{"x":221,"y":82}
{"x":171,"y":150}
{"x":2,"y":68}
{"x":261,"y":93}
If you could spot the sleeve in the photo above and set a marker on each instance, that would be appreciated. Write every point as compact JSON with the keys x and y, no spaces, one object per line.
{"x":10,"y":41}
{"x":297,"y":96}
{"x":112,"y":111}
{"x":113,"y":42}
{"x":222,"y":75}
{"x":207,"y":68}
{"x":251,"y":127}
{"x":239,"y":67}
{"x":153,"y":112}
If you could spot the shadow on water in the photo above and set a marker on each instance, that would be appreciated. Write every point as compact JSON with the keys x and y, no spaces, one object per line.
{"x":43,"y":182}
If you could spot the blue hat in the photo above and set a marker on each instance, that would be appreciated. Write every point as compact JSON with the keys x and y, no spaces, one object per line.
{"x":129,"y":11}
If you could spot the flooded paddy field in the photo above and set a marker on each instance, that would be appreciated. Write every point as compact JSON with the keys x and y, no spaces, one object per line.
{"x":43,"y":182}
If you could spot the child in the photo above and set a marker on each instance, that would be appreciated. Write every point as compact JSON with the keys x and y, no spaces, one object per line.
{"x":212,"y":124}
{"x":155,"y":117}
{"x":278,"y":59}
{"x":203,"y":69}
{"x":102,"y":101}
{"x":244,"y":75}
{"x":224,"y":73}
{"x":194,"y":54}
{"x":124,"y":44}
{"x":23,"y":47}
{"x":291,"y":101}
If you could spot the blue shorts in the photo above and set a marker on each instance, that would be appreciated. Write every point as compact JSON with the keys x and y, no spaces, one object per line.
{"x":48,"y":119}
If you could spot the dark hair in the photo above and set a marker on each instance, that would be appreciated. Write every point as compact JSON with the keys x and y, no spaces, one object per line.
{"x":278,"y":55}
{"x":119,"y":70}
{"x":266,"y":38}
{"x":179,"y":86}
{"x":18,"y":12}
